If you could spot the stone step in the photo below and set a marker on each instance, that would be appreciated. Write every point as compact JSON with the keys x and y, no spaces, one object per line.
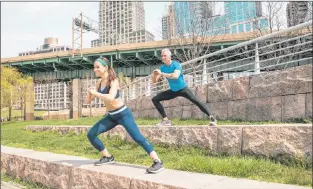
{"x":72,"y":172}
{"x":272,"y":140}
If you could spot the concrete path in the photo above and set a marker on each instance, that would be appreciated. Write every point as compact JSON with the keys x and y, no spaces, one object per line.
{"x":10,"y":185}
{"x":65,"y":171}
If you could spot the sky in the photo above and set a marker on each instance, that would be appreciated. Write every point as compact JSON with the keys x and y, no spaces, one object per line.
{"x":24,"y":25}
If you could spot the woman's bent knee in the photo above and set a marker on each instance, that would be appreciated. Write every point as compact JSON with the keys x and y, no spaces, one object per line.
{"x":90,"y":135}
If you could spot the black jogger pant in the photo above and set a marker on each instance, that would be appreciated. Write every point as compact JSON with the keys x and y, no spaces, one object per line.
{"x":169,"y":94}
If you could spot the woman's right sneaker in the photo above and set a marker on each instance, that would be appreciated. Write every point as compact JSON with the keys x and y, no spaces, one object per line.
{"x":105,"y":160}
{"x":213,"y":121}
{"x":156,"y":167}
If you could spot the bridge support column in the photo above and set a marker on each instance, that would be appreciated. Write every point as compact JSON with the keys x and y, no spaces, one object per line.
{"x":29,"y":102}
{"x":76,"y":105}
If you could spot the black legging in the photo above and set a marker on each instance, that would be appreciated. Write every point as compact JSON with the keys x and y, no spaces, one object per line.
{"x":169,"y":94}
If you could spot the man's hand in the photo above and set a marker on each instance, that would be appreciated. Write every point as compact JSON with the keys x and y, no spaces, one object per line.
{"x":156,"y":75}
{"x":157,"y":72}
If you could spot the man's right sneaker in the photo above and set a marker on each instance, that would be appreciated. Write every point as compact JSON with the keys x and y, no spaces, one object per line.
{"x":105,"y":160}
{"x":213,"y":121}
{"x":165,"y":123}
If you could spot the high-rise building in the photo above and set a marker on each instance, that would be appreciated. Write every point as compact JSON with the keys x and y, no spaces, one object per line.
{"x":200,"y":18}
{"x":242,"y":11}
{"x":244,"y":16}
{"x":217,"y":25}
{"x":168,"y":23}
{"x":95,"y":43}
{"x":296,"y":12}
{"x":121,"y":22}
{"x":207,"y":9}
{"x":191,"y":15}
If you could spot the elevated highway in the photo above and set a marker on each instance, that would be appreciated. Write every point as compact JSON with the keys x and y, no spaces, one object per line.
{"x":135,"y":59}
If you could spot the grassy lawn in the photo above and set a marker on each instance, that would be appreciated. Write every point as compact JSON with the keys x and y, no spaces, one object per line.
{"x":91,"y":120}
{"x":18,"y":113}
{"x":22,"y":183}
{"x":182,"y":158}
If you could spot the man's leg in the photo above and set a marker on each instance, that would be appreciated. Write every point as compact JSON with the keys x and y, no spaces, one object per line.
{"x":187,"y":93}
{"x":166,"y":95}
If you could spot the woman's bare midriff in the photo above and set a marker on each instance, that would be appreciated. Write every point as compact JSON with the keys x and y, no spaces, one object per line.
{"x":113,"y":104}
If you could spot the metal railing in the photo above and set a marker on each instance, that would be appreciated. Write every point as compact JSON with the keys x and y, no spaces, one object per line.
{"x":279,"y":50}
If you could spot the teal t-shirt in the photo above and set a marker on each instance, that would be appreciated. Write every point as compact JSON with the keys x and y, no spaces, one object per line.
{"x":175,"y":84}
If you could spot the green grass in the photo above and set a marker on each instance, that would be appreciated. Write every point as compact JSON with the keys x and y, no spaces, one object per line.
{"x":182,"y":158}
{"x":23,"y":183}
{"x":18,"y":113}
{"x":141,"y":121}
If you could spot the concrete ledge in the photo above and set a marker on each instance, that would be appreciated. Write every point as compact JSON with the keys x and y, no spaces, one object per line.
{"x":287,"y":140}
{"x":72,"y":172}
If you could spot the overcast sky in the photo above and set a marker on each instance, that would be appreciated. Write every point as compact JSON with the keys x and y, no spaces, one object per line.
{"x":24,"y":25}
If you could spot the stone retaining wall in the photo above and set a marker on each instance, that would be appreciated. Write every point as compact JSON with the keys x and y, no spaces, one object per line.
{"x":72,"y":172}
{"x":279,"y":96}
{"x":292,"y":140}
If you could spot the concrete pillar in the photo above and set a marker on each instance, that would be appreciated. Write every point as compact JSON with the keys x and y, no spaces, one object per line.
{"x":64,"y":95}
{"x":76,"y":99}
{"x":29,"y":102}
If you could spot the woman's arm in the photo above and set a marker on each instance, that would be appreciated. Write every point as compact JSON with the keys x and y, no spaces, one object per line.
{"x":89,"y":96}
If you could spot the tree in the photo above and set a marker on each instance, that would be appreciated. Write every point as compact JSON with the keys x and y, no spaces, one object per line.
{"x":268,"y":18}
{"x":195,"y":29}
{"x":13,"y":88}
{"x":192,"y":28}
{"x":310,"y":11}
{"x":22,"y":87}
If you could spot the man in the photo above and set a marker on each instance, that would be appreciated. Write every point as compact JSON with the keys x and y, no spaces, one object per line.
{"x":172,"y":71}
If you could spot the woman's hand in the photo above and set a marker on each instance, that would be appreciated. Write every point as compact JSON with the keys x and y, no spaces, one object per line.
{"x":92,"y":90}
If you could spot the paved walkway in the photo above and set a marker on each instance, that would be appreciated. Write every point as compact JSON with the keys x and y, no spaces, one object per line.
{"x":10,"y":185}
{"x":79,"y":172}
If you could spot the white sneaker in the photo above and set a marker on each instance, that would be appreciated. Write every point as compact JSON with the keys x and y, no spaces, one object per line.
{"x":213,"y":121}
{"x":165,"y":123}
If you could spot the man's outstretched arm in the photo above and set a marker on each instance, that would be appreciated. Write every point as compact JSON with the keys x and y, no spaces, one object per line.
{"x":174,"y":75}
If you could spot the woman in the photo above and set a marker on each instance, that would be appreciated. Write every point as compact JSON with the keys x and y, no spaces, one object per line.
{"x":118,"y":114}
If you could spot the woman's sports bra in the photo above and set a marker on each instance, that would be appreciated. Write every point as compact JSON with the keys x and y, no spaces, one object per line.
{"x":106,"y":91}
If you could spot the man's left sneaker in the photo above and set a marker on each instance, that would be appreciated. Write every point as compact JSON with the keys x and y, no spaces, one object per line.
{"x":213,"y":121}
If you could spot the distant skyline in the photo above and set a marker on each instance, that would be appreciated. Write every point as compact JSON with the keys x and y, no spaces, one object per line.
{"x":24,"y":25}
